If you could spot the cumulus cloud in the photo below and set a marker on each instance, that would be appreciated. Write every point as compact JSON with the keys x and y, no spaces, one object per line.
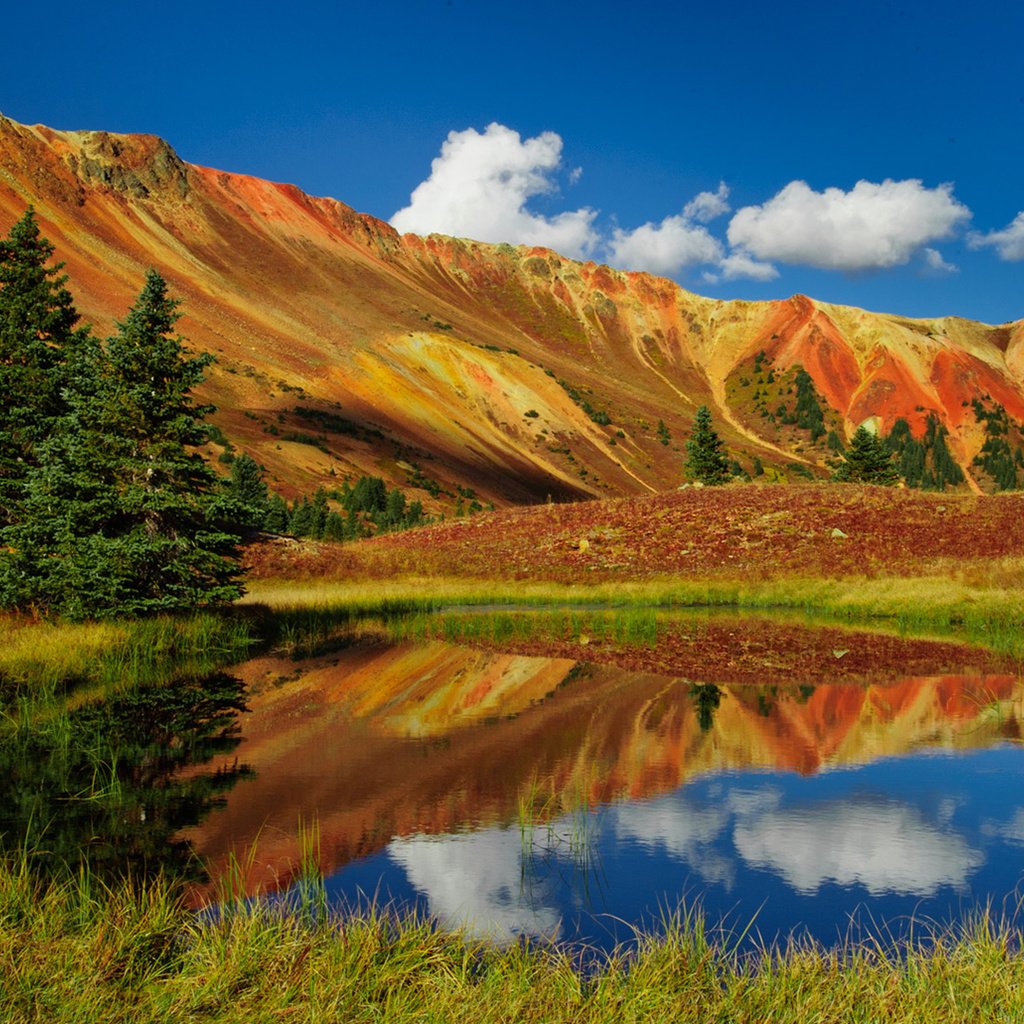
{"x":886,"y":847}
{"x":692,"y":832}
{"x":479,"y":187}
{"x":706,"y":206}
{"x":741,"y":264}
{"x":873,"y":226}
{"x":1009,"y":242}
{"x":482,"y":183}
{"x":474,"y":882}
{"x":666,"y":248}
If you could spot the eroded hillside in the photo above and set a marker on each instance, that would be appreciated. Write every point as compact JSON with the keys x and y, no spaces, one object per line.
{"x":465,"y":370}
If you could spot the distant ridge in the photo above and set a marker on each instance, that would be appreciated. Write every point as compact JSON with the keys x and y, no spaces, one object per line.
{"x":477,"y":372}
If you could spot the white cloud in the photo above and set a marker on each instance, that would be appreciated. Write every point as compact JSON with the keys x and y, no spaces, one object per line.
{"x":885,"y":847}
{"x":872,"y":226}
{"x":475,"y":882}
{"x":741,"y":264}
{"x":1009,"y":242}
{"x":480,"y":184}
{"x":690,"y":832}
{"x":666,"y":248}
{"x":936,"y":264}
{"x":706,"y":206}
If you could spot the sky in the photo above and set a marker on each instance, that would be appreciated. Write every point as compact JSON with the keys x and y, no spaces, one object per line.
{"x":868,"y":153}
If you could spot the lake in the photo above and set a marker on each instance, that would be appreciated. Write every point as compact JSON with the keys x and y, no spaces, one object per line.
{"x":785,"y":779}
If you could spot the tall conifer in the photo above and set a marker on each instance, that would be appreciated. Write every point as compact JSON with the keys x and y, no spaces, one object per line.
{"x":37,"y":335}
{"x":122,"y":515}
{"x":705,"y":453}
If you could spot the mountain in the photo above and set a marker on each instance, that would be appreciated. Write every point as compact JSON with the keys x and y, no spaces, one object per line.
{"x":495,"y":373}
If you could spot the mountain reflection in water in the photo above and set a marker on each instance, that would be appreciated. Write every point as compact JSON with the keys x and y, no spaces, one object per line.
{"x":517,"y":794}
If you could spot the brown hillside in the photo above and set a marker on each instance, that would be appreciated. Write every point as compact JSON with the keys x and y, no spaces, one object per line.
{"x":446,"y":354}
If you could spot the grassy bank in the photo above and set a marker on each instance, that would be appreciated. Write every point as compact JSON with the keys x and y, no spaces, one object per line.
{"x":984,"y":612}
{"x":73,"y":951}
{"x":302,"y":617}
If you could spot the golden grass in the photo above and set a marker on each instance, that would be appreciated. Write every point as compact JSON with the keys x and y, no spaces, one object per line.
{"x":941,"y":598}
{"x":73,"y":951}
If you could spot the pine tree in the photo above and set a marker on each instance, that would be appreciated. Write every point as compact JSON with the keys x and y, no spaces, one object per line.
{"x":122,"y":515}
{"x":867,"y":460}
{"x":705,"y":455}
{"x":276,"y":518}
{"x":247,"y":491}
{"x":38,"y":335}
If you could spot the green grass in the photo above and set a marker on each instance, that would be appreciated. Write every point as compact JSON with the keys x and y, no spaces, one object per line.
{"x":75,"y":951}
{"x":303,"y":619}
{"x":989,"y":615}
{"x":64,"y":656}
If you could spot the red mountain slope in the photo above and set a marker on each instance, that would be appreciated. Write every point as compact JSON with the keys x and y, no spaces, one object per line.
{"x":446,"y":354}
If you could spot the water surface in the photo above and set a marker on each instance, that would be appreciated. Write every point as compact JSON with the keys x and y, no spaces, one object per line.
{"x":514,"y":794}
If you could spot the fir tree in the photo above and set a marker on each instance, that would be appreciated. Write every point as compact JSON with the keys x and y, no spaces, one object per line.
{"x":276,"y":518}
{"x":122,"y":515}
{"x":705,"y":455}
{"x":248,"y":501}
{"x":38,"y":335}
{"x":867,"y":461}
{"x":809,"y":414}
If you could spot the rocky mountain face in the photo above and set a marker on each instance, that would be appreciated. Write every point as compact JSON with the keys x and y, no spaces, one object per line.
{"x":473,"y":372}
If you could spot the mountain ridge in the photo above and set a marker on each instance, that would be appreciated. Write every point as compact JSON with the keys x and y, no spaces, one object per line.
{"x":507,"y":371}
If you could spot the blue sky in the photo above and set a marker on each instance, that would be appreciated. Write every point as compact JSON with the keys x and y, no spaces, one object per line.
{"x":865,"y":153}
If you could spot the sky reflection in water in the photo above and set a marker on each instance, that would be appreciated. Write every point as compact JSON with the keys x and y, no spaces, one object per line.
{"x":923,"y":837}
{"x":805,"y":810}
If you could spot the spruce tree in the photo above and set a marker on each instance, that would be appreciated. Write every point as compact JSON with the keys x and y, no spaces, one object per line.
{"x":867,"y":460}
{"x":38,"y":334}
{"x":248,"y":500}
{"x":122,"y":515}
{"x":705,"y":455}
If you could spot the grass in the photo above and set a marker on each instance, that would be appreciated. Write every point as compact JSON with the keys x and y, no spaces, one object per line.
{"x":63,"y":655}
{"x":990,"y":614}
{"x":76,"y":951}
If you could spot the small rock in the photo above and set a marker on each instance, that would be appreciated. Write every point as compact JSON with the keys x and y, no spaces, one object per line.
{"x":838,"y":534}
{"x":940,"y":508}
{"x":840,"y":654}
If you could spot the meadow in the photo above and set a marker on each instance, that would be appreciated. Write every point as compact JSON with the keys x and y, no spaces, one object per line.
{"x":904,"y":570}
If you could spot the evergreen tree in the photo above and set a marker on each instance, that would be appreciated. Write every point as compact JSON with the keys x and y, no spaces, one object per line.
{"x":809,"y":414}
{"x":318,"y":514}
{"x":867,"y":460}
{"x":300,"y":522}
{"x":37,"y":336}
{"x":335,"y":528}
{"x":122,"y":515}
{"x":394,"y":512}
{"x":705,"y":455}
{"x":248,"y":499}
{"x":276,"y":518}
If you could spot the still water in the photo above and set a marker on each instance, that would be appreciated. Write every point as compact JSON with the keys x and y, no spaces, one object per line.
{"x":511,"y":794}
{"x":845,"y":785}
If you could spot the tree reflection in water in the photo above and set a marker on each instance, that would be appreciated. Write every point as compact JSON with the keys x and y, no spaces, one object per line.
{"x":109,"y":785}
{"x":706,"y":698}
